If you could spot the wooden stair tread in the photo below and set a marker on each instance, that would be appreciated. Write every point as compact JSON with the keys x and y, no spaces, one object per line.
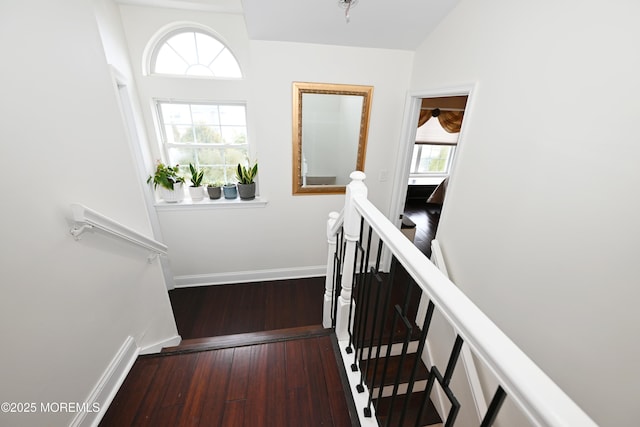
{"x":393,"y":367}
{"x":246,"y":339}
{"x":429,"y":414}
{"x":397,"y":296}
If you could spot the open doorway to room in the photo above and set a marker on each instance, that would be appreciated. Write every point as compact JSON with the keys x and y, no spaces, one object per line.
{"x":431,"y":155}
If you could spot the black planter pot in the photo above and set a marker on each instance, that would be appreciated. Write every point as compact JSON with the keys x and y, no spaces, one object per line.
{"x":247,"y":191}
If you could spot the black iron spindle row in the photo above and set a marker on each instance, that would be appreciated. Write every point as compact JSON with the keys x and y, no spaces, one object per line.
{"x":372,"y":303}
{"x":360,"y":292}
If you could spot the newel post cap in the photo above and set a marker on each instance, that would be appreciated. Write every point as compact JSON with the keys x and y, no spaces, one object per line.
{"x":357,"y":176}
{"x":357,"y":185}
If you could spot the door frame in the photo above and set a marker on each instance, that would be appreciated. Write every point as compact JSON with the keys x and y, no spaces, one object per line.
{"x":407,"y":141}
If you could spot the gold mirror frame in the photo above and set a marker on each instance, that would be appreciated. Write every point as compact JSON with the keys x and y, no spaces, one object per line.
{"x":299,"y":89}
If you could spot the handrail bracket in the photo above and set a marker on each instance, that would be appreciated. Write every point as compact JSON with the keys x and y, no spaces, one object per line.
{"x":77,"y":230}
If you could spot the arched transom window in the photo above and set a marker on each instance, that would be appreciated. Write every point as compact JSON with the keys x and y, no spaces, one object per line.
{"x":193,"y":52}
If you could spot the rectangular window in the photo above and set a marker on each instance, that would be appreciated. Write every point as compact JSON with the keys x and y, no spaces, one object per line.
{"x":432,"y":159}
{"x":211,"y":136}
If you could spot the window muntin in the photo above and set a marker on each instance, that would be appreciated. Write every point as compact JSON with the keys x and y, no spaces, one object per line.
{"x":193,"y":53}
{"x":211,"y":136}
{"x":432,"y":159}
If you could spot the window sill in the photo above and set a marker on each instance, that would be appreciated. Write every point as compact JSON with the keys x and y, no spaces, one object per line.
{"x":426,"y":180}
{"x":222,"y":203}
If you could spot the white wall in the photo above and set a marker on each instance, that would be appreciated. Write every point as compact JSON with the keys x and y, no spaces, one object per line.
{"x":66,"y":306}
{"x":287,"y":237}
{"x":540,"y":227}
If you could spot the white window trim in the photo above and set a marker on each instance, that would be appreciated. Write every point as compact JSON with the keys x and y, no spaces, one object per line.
{"x":161,"y":131}
{"x":222,"y":203}
{"x":156,"y":41}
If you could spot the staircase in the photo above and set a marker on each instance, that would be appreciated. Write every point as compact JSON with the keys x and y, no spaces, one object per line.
{"x":418,"y":405}
{"x":375,"y":278}
{"x":385,"y":345}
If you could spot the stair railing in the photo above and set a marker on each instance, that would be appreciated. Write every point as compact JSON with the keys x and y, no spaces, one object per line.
{"x":85,"y":219}
{"x":361,"y":299}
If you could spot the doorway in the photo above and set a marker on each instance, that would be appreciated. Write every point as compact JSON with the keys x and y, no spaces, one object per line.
{"x":429,"y":149}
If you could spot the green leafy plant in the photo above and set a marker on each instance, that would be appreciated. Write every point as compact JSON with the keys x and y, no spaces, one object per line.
{"x":196,"y":176}
{"x":165,"y":176}
{"x":215,"y":184}
{"x":246,"y":174}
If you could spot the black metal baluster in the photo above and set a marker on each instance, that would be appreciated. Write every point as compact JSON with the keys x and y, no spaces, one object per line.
{"x":358,"y":295}
{"x":365,"y":308}
{"x":383,"y":321}
{"x":403,"y":355}
{"x":407,"y":296}
{"x":414,"y":371}
{"x":494,"y":407}
{"x":362,"y":311}
{"x":373,"y":272}
{"x":427,"y":393}
{"x":374,"y":321}
{"x":354,"y":287}
{"x":337,"y":277}
{"x":386,"y":359}
{"x":444,"y":382}
{"x":354,"y":314}
{"x":455,"y":405}
{"x":453,"y":359}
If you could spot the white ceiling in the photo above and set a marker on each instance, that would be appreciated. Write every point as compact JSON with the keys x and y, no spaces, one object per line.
{"x":387,"y":24}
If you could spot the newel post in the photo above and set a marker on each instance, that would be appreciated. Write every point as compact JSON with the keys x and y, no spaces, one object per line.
{"x":351,"y":228}
{"x":328,"y":283}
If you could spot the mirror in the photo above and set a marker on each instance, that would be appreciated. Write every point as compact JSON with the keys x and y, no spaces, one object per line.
{"x":330,"y":126}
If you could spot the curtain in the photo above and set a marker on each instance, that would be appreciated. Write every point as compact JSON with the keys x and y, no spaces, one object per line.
{"x":451,"y":121}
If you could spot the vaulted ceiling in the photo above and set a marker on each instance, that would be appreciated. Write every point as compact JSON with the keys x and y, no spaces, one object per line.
{"x":386,"y":24}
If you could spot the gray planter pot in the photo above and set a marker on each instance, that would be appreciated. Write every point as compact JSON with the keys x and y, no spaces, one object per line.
{"x":230,"y":191}
{"x":247,"y":191}
{"x":214,"y":192}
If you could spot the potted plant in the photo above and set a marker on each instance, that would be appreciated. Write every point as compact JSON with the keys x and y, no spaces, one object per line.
{"x":195,"y":189}
{"x":230,"y":191}
{"x":246,"y":181}
{"x":214,"y":189}
{"x":171,"y":184}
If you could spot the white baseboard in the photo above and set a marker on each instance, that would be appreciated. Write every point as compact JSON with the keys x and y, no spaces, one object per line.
{"x":105,"y":390}
{"x":156,"y":347}
{"x":249,"y":276}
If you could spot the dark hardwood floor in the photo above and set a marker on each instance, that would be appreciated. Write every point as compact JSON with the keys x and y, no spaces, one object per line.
{"x":426,"y":216}
{"x":209,"y":311}
{"x":269,"y":363}
{"x":288,"y":383}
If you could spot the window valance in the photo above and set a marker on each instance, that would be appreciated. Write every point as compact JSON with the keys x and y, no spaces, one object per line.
{"x":451,"y":121}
